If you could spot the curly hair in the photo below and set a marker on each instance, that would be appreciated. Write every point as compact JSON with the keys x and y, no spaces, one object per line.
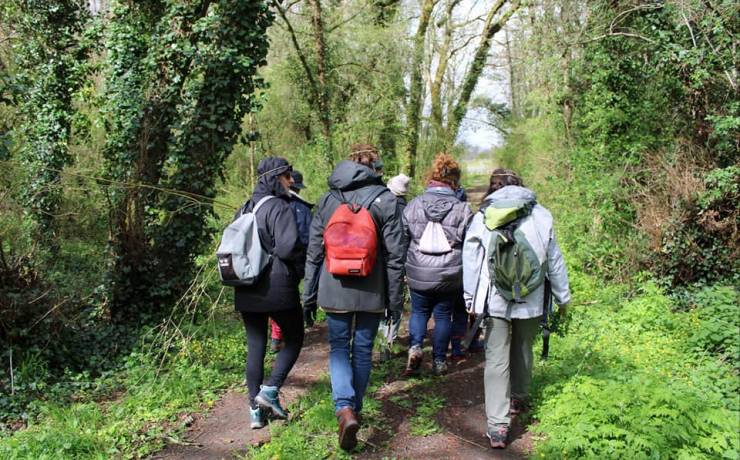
{"x":445,"y":169}
{"x":364,"y":154}
{"x":501,"y":178}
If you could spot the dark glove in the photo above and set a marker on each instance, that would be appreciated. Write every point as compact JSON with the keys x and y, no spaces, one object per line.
{"x":309,"y":314}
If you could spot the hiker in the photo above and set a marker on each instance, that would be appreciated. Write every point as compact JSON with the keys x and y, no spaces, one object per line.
{"x":354,"y":271}
{"x":389,"y":327}
{"x":436,"y":222}
{"x":515,"y":235}
{"x":459,"y":313}
{"x":275,"y":295}
{"x":302,"y":210}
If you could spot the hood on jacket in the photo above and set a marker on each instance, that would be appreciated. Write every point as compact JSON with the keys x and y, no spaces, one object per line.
{"x":511,"y":192}
{"x":438,"y":202}
{"x":349,"y":175}
{"x":269,"y":170}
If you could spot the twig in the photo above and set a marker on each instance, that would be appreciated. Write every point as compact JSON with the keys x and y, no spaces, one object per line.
{"x":468,"y":441}
{"x":12,"y":376}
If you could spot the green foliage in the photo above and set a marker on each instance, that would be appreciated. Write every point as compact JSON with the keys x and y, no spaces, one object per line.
{"x":52,"y":60}
{"x":701,"y":243}
{"x":638,"y":386}
{"x":310,"y":436}
{"x":427,"y":407}
{"x":181,"y":77}
{"x":172,"y":371}
{"x":716,"y":322}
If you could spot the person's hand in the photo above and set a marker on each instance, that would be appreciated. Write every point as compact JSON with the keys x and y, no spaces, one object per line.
{"x":393,"y":315}
{"x":563,"y":310}
{"x":309,"y":314}
{"x":469,"y":305}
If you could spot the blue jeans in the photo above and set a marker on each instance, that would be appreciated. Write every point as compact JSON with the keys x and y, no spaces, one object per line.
{"x":350,"y":370}
{"x":422,"y":307}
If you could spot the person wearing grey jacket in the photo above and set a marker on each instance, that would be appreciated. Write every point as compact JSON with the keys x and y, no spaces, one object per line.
{"x":355,"y":305}
{"x":511,"y":326}
{"x":434,"y":274}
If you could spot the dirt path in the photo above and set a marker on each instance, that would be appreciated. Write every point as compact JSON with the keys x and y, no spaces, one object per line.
{"x":224,"y":433}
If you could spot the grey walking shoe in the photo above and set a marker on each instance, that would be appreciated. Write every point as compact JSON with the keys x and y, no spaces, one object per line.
{"x":413,"y":365}
{"x":267,"y":398}
{"x":439,"y":367}
{"x":499,"y":436}
{"x":257,"y":418}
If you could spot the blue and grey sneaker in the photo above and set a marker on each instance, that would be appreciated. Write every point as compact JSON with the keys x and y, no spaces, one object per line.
{"x":267,"y":398}
{"x":257,"y":418}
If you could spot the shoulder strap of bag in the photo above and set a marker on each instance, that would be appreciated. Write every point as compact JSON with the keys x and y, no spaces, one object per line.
{"x":262,"y":201}
{"x":373,"y":196}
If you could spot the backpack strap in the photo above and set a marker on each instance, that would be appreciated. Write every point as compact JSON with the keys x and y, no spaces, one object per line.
{"x":262,"y":201}
{"x":374,"y":195}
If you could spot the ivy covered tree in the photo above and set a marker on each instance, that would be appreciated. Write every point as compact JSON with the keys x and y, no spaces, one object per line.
{"x":181,"y":78}
{"x":52,"y":60}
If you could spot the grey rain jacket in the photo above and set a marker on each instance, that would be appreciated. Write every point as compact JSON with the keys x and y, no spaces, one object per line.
{"x":538,"y":229}
{"x":383,"y":288}
{"x":443,"y":272}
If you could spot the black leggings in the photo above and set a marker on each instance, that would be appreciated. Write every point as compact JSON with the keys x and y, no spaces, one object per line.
{"x":255,"y":325}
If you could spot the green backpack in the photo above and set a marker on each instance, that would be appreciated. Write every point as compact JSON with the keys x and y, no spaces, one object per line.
{"x":514,"y":267}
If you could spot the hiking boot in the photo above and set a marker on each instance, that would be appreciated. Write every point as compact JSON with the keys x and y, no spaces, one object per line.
{"x":518,"y":406}
{"x":499,"y":436}
{"x":413,"y":365}
{"x":276,"y":345}
{"x":348,"y":427}
{"x":267,"y":398}
{"x":257,"y":418}
{"x":439,"y":367}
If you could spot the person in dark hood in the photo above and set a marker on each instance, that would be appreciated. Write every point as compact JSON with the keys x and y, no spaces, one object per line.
{"x":275,"y":295}
{"x":434,"y":270}
{"x":302,"y":210}
{"x":355,"y":305}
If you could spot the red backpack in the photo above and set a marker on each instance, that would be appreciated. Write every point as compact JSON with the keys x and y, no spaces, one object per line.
{"x":351,"y":238}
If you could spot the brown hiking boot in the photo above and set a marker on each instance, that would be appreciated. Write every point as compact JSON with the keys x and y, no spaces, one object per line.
{"x":348,"y":427}
{"x":413,"y":365}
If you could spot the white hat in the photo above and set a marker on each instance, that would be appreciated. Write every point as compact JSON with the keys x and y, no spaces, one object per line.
{"x":399,"y":184}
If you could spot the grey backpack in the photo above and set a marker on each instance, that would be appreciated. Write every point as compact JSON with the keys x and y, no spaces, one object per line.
{"x":241,"y":257}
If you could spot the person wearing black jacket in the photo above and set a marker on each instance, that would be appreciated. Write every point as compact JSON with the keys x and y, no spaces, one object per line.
{"x":355,"y":305}
{"x":275,"y":295}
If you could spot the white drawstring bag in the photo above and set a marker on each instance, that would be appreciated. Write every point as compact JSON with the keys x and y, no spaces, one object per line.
{"x":434,"y":241}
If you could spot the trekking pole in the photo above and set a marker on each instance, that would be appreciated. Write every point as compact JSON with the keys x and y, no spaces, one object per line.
{"x":546,"y":314}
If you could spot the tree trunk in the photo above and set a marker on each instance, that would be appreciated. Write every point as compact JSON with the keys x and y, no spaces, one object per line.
{"x":324,"y":108}
{"x":413,"y":111}
{"x":470,"y":81}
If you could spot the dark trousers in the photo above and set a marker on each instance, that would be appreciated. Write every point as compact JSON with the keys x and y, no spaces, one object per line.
{"x":255,"y":325}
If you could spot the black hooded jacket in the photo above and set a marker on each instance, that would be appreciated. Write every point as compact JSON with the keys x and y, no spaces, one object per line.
{"x":277,"y":288}
{"x":383,"y":287}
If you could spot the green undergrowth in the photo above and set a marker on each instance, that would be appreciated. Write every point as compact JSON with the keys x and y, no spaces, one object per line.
{"x":128,"y":413}
{"x":643,"y":371}
{"x":634,"y":378}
